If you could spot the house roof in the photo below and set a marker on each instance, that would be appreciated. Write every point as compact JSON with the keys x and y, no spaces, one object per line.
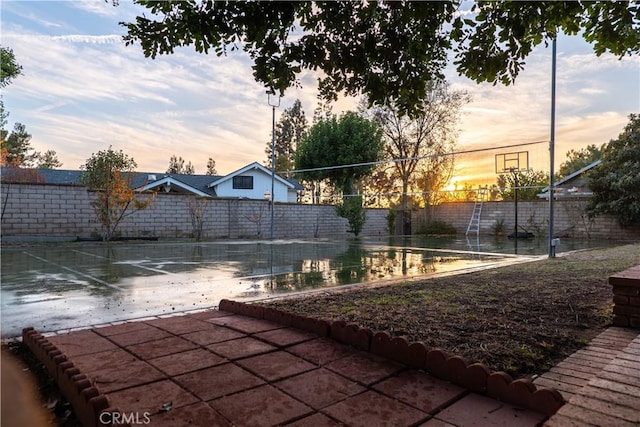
{"x":574,"y":177}
{"x":197,"y":184}
{"x":293,"y":184}
{"x":61,"y":176}
{"x":202,"y":185}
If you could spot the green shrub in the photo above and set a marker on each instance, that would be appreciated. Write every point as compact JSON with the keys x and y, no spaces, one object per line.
{"x":352,"y":209}
{"x":436,"y":227}
{"x":498,"y":226}
{"x":391,"y":221}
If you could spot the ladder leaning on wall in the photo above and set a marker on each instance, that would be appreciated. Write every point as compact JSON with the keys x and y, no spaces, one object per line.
{"x":474,"y":222}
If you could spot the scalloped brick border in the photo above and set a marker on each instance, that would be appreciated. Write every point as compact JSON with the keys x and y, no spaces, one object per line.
{"x":87,"y":402}
{"x":476,"y":377}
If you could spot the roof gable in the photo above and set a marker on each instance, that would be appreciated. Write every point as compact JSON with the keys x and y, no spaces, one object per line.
{"x":167,"y":183}
{"x":573,"y":185}
{"x":252,"y":166}
{"x":574,"y":175}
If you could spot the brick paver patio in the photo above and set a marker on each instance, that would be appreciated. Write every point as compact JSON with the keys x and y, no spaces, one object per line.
{"x":218,"y":368}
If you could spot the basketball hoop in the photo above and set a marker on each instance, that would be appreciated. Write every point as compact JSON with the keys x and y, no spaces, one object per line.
{"x":514,"y":163}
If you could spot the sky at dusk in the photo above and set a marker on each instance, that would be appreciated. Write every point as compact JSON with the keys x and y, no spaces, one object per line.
{"x":82,"y":90}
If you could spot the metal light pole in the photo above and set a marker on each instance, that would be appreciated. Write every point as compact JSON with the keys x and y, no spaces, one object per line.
{"x":552,"y":140}
{"x":273,"y":106}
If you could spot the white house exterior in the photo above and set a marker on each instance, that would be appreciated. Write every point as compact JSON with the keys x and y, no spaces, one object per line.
{"x":254,"y":182}
{"x":250,"y":182}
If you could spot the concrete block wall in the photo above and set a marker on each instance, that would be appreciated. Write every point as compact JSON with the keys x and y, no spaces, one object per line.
{"x":66,"y":211}
{"x":47,"y":210}
{"x":569,"y":219}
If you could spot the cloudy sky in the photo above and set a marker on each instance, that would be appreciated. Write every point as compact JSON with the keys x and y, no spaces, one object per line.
{"x":82,"y":90}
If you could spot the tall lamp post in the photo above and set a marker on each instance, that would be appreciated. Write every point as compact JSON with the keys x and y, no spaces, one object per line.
{"x":273,"y":106}
{"x":552,"y":140}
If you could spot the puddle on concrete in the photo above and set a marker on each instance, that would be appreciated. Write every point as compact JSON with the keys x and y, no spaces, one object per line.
{"x":61,"y":286}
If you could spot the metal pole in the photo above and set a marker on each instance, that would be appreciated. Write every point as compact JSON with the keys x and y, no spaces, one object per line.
{"x":273,"y":156}
{"x":552,"y":252}
{"x":273,"y":163}
{"x":516,"y":184}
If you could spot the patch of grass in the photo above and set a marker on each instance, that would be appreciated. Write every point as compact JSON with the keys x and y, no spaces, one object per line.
{"x":521,"y":318}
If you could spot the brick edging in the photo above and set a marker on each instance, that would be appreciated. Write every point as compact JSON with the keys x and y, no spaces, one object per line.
{"x":87,"y":402}
{"x":476,"y":377}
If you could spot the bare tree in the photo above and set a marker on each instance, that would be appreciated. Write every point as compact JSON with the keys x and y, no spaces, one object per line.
{"x":420,"y":145}
{"x":198,"y":207}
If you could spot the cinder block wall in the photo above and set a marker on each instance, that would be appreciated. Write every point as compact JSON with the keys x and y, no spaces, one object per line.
{"x":569,"y":219}
{"x":66,"y":211}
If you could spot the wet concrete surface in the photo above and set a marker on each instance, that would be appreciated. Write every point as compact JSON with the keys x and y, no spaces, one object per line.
{"x":60,"y":286}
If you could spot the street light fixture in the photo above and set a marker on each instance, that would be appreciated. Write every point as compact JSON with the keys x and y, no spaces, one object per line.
{"x":273,"y":106}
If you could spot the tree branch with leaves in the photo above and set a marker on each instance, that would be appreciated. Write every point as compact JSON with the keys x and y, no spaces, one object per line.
{"x":342,"y":150}
{"x":616,"y":181}
{"x":110,"y":174}
{"x":386,"y":50}
{"x":420,"y":145}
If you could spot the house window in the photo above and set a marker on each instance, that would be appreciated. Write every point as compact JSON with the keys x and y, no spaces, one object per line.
{"x":243,"y":182}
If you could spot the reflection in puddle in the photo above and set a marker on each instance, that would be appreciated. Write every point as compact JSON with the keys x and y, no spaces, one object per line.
{"x":53,"y":287}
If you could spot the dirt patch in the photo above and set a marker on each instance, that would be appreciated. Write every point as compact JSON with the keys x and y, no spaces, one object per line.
{"x":46,"y":406}
{"x":522,"y":319}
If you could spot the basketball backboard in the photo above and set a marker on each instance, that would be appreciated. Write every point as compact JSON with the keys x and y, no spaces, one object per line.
{"x":512,"y":162}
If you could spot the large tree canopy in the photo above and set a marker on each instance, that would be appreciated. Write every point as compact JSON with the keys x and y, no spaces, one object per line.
{"x":388,"y":50}
{"x":578,"y":159}
{"x":329,"y":147}
{"x":616,"y":182}
{"x":333,"y":144}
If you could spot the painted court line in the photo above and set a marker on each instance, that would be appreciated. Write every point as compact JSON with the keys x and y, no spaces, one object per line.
{"x":79,"y":273}
{"x":155,"y":270}
{"x":460,"y":251}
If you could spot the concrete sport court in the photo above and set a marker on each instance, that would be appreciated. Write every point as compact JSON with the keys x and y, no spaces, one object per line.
{"x":60,"y":286}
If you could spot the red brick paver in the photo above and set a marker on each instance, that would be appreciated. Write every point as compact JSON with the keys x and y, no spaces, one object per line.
{"x":218,"y":381}
{"x":365,"y":368}
{"x":570,"y":375}
{"x":320,"y":388}
{"x":186,"y":361}
{"x":611,"y":396}
{"x":479,"y":411}
{"x":81,"y":343}
{"x":421,"y":391}
{"x":276,"y":365}
{"x":374,"y":409}
{"x":241,"y":348}
{"x":196,"y":415}
{"x":263,"y":406}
